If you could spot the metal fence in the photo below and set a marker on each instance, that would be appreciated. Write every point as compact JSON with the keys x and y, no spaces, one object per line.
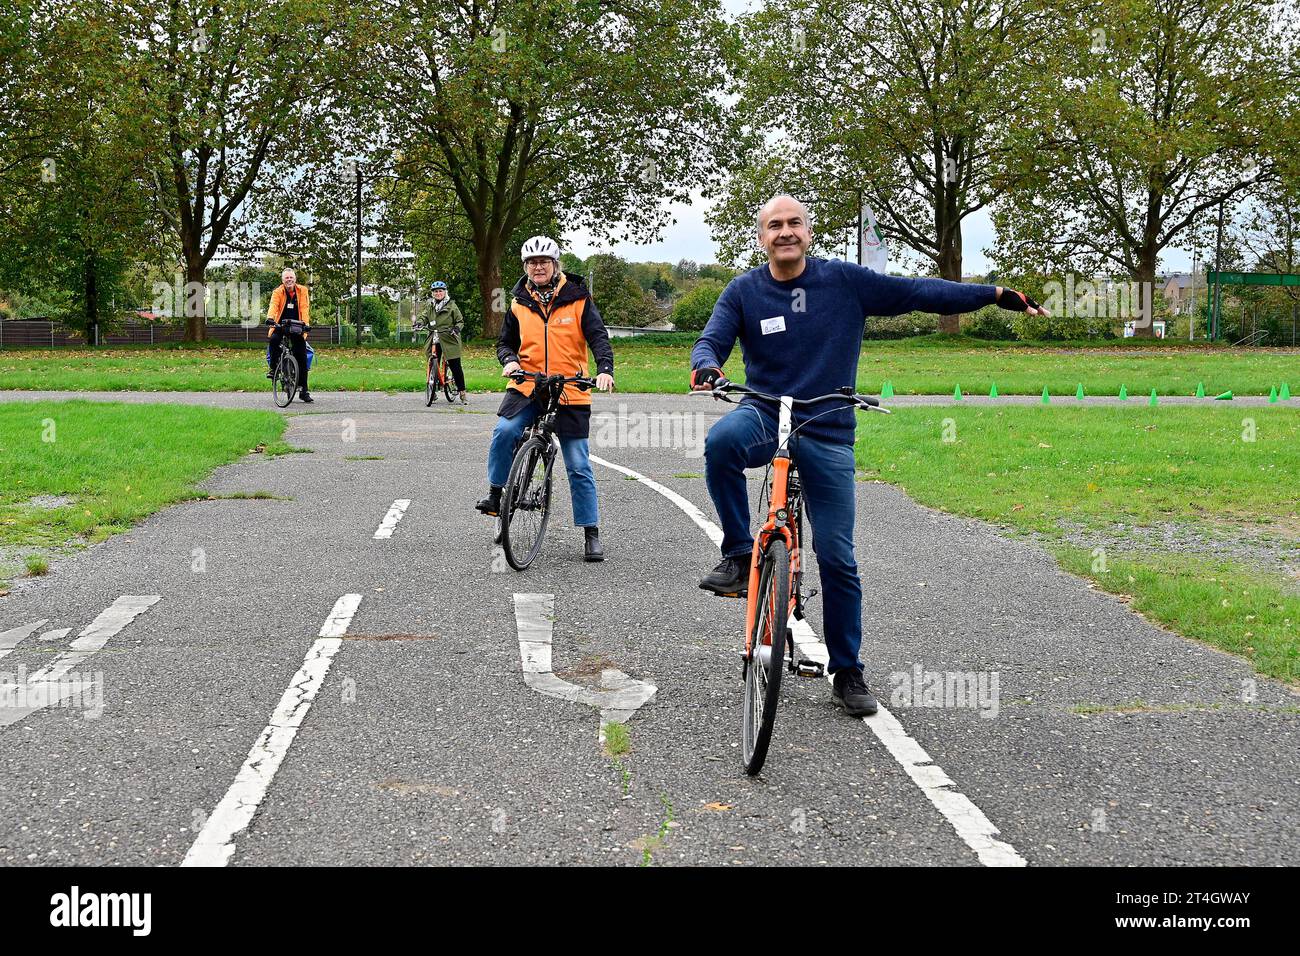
{"x":35,"y":333}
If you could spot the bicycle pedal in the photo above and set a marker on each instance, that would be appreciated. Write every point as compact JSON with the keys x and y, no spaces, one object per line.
{"x":729,"y":594}
{"x":807,"y":668}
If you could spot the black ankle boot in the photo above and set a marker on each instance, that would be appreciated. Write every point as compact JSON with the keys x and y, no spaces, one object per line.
{"x":491,"y":505}
{"x":591,"y":549}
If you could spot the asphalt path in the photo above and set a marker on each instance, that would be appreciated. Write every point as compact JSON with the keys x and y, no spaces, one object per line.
{"x":422,"y":743}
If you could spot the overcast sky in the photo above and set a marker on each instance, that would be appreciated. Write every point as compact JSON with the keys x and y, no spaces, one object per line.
{"x":689,"y":238}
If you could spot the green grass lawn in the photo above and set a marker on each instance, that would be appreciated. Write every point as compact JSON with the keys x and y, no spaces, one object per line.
{"x":98,"y":468}
{"x":1190,"y":516}
{"x":930,"y":365}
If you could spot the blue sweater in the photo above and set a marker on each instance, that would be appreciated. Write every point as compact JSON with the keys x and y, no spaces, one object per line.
{"x":803,"y":337}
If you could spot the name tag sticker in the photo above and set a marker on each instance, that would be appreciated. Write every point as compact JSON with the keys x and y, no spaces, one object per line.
{"x":775,"y":324}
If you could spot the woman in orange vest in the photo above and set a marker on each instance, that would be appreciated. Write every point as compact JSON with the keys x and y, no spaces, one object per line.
{"x":548,"y":329}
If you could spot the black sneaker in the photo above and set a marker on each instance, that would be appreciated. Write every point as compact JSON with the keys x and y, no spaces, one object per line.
{"x":852,"y":693}
{"x":305,"y":397}
{"x":491,"y":505}
{"x":729,"y":579}
{"x":270,"y":374}
{"x":591,"y":548}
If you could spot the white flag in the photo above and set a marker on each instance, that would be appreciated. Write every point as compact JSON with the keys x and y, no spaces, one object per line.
{"x":875,"y":254}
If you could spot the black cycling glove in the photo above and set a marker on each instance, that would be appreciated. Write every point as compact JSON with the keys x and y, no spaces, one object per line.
{"x":1014,"y":301}
{"x":705,"y":376}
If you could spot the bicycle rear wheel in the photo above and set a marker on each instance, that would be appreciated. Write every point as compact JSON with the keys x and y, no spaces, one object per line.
{"x":526,"y":502}
{"x":767,"y":656}
{"x":284,"y":383}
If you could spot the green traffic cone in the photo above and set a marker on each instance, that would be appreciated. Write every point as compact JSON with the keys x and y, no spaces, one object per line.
{"x":1200,"y":389}
{"x":956,"y":394}
{"x":1223,"y":397}
{"x":993,"y":392}
{"x":1285,"y":394}
{"x":1154,"y":401}
{"x":1123,"y":394}
{"x":887,"y":390}
{"x":1078,"y":392}
{"x":1047,"y":399}
{"x":1272,"y":394}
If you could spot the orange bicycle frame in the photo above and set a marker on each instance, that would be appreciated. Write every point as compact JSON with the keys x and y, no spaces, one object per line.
{"x":777,"y":525}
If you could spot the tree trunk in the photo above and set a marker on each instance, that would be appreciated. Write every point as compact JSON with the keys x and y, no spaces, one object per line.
{"x":195,"y":299}
{"x":1142,"y":311}
{"x":92,"y":298}
{"x":495,"y":298}
{"x":950,"y":269}
{"x":949,"y":261}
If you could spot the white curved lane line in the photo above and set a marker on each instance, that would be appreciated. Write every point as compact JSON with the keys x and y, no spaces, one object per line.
{"x":974,"y":828}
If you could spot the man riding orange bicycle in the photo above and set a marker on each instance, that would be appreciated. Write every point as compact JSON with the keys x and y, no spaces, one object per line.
{"x":800,"y":322}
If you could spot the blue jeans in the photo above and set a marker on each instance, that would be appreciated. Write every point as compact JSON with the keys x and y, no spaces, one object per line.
{"x":577,"y":462}
{"x":746,"y":439}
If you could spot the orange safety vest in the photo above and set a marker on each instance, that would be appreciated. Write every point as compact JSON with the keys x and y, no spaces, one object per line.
{"x":551,"y":340}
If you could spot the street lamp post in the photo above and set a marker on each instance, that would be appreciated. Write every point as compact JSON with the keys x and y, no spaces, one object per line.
{"x":357,"y":169}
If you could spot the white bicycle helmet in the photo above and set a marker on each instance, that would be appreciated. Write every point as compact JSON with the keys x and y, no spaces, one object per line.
{"x":540,"y":246}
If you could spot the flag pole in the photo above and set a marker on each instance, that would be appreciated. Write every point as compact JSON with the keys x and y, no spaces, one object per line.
{"x":859,"y":227}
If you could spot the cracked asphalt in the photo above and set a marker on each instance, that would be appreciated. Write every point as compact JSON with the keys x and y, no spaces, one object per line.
{"x":424,"y":745}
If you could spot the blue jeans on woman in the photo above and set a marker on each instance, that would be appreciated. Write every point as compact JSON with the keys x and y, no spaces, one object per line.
{"x":577,"y":462}
{"x":746,"y":438}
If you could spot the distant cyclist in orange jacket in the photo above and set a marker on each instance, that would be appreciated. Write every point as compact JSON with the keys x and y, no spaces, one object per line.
{"x":290,"y":303}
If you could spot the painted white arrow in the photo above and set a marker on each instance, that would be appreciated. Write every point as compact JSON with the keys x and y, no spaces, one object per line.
{"x":619,"y":695}
{"x":16,"y":635}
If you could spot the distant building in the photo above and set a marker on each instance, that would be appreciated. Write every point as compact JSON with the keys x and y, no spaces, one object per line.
{"x":1182,"y":292}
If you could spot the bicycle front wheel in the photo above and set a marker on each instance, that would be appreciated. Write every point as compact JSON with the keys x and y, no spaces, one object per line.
{"x":766,"y":656}
{"x":526,"y":503}
{"x":284,"y":384}
{"x":449,"y":389}
{"x":430,"y":387}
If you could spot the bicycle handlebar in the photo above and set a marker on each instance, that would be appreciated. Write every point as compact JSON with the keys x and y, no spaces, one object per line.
{"x":586,"y":384}
{"x":846,"y":393}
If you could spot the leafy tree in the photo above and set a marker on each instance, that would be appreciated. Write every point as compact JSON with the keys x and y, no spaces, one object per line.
{"x":695,"y":307}
{"x":376,"y":312}
{"x":920,"y":107}
{"x":619,"y":296}
{"x":240,"y":94}
{"x":73,"y":211}
{"x":1166,"y":109}
{"x":505,"y":112}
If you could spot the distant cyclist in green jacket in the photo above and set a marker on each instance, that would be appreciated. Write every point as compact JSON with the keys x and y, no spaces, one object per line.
{"x":444,"y":316}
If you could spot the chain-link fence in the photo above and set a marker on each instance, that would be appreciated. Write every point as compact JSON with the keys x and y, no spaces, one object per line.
{"x":36,"y":333}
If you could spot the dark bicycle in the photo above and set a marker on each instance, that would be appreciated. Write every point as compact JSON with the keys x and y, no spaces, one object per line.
{"x":285,"y":375}
{"x":526,"y":497}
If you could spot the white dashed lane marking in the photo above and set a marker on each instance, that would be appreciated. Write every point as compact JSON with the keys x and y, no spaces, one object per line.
{"x":394,"y":515}
{"x":215,"y":843}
